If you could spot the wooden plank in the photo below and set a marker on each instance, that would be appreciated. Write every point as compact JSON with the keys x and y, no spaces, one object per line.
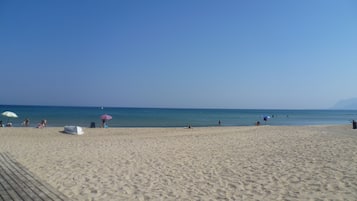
{"x":18,"y":183}
{"x":41,"y":188}
{"x":3,"y":193}
{"x":9,"y":185}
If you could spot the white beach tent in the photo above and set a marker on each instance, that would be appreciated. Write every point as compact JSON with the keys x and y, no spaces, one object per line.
{"x":74,"y":130}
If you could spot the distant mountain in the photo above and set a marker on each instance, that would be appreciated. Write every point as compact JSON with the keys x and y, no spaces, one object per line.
{"x":348,"y":104}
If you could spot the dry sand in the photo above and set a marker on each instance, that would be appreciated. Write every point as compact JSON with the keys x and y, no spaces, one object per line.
{"x":219,"y":163}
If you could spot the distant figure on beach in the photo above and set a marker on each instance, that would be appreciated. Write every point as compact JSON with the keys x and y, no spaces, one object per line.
{"x":9,"y":124}
{"x":104,"y":123}
{"x":1,"y":125}
{"x":26,"y":123}
{"x":42,"y":124}
{"x":257,"y":123}
{"x":219,"y":123}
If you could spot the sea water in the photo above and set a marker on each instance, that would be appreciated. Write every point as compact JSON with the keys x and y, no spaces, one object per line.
{"x":167,"y":117}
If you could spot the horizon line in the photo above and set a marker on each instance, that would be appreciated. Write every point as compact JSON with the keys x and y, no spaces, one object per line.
{"x":147,"y":107}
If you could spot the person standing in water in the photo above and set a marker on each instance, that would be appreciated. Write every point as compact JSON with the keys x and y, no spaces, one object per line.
{"x":26,"y":123}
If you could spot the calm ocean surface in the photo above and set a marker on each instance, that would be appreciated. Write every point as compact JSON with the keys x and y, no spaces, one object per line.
{"x":154,"y":117}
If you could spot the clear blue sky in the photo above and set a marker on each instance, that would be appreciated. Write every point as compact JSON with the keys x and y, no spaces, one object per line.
{"x":179,"y":53}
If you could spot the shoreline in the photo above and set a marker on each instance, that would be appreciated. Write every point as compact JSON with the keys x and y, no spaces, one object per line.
{"x":169,"y":117}
{"x":193,"y":126}
{"x":232,"y":163}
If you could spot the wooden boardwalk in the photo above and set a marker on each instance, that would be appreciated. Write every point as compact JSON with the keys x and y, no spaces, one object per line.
{"x":18,"y":184}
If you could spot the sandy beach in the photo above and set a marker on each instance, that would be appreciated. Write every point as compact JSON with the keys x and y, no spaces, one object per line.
{"x":217,"y":163}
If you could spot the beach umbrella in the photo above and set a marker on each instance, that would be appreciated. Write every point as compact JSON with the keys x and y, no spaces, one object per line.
{"x":265,"y":118}
{"x":106,"y":117}
{"x":9,"y":114}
